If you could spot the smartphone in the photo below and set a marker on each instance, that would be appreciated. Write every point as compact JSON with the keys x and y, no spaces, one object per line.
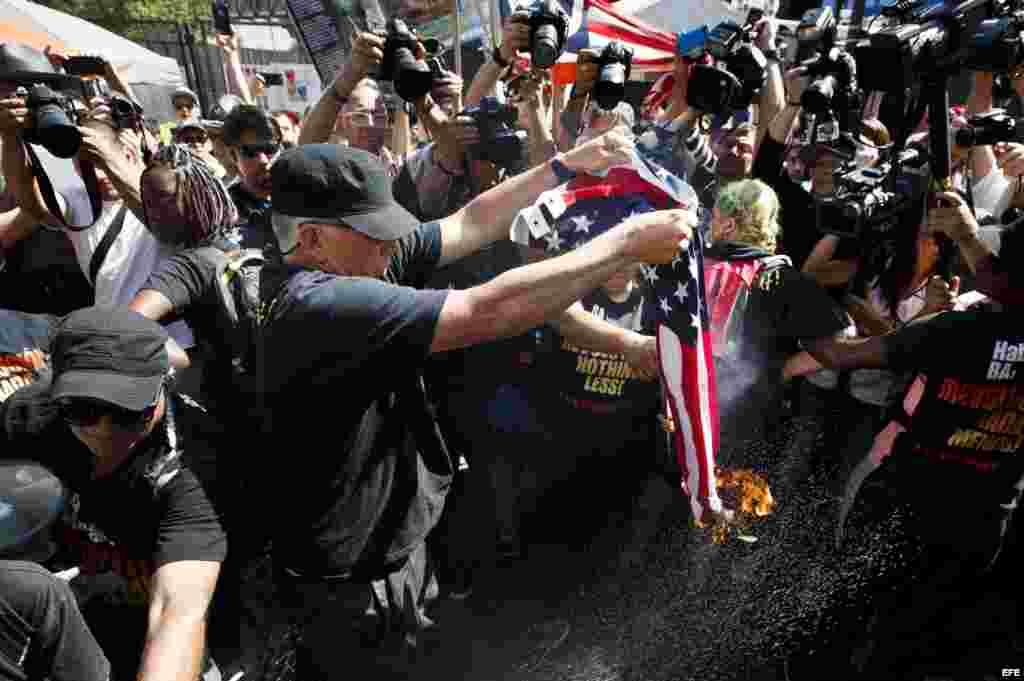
{"x":222,"y":17}
{"x":272,"y":78}
{"x":692,"y":44}
{"x":85,"y":66}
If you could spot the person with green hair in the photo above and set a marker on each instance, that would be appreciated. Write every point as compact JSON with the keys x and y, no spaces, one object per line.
{"x":761,"y":308}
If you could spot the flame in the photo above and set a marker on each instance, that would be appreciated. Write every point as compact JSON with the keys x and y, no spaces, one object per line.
{"x":753,"y":495}
{"x":748,"y":493}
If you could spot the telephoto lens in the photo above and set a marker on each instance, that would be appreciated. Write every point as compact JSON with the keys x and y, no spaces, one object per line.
{"x":615,"y":64}
{"x":544,"y":50}
{"x":51,"y":125}
{"x":549,"y":27}
{"x":412,"y":77}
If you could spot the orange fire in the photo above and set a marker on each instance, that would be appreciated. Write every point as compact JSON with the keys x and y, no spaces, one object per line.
{"x":748,"y":494}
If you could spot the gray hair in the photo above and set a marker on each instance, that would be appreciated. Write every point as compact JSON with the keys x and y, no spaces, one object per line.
{"x":286,"y":229}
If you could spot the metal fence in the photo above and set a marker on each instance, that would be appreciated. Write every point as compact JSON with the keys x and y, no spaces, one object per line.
{"x":194,"y":47}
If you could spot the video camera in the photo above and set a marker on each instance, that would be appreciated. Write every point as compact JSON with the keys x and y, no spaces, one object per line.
{"x":614,"y":66}
{"x":549,"y":30}
{"x":413,"y":78}
{"x":831,"y":103}
{"x":739,"y":72}
{"x":500,"y":143}
{"x":990,"y":128}
{"x":985,"y":35}
{"x":868,"y":203}
{"x":54,"y":120}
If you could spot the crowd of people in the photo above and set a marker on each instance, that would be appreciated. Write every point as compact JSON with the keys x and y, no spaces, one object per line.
{"x":306,"y":337}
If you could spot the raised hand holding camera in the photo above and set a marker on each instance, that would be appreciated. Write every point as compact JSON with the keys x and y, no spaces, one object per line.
{"x":365,"y":59}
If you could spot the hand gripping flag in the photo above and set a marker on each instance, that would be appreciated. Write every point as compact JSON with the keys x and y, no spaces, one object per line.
{"x":564,"y":218}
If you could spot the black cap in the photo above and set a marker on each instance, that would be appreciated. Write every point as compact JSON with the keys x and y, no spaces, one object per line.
{"x":334,"y":184}
{"x":21,"y":63}
{"x":111,"y":354}
{"x":31,"y":500}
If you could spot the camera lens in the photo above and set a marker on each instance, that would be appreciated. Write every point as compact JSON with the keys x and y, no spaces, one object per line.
{"x":412,"y":78}
{"x":544,"y":48}
{"x":56,"y":132}
{"x":611,"y":85}
{"x":817,"y":98}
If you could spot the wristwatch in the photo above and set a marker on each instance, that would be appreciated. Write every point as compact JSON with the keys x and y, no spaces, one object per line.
{"x":563,"y":172}
{"x":498,"y":59}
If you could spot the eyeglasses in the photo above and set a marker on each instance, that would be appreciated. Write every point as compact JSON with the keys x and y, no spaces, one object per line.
{"x":86,"y":412}
{"x":252,"y":151}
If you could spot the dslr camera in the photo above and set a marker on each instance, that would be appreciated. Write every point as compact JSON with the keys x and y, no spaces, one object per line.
{"x":614,"y":66}
{"x":990,"y":128}
{"x":54,"y":120}
{"x":500,"y":143}
{"x":549,"y":30}
{"x":125,"y":114}
{"x":412,"y":78}
{"x":739,"y":73}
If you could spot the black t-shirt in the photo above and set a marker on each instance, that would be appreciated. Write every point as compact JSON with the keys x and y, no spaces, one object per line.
{"x":157,"y":507}
{"x":784,"y":307}
{"x":963,"y":450}
{"x":255,"y":230}
{"x":597,"y":382}
{"x":24,"y":349}
{"x":189,"y":280}
{"x":796,"y":205}
{"x":352,"y":493}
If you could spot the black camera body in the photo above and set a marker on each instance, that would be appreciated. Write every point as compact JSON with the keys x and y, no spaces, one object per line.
{"x":739,"y":73}
{"x":863,"y":205}
{"x":614,"y":66}
{"x":125,"y":114}
{"x":54,"y":120}
{"x":816,"y":32}
{"x":869,"y":203}
{"x":500,"y":143}
{"x":549,"y":31}
{"x":981,"y":35}
{"x":990,"y":128}
{"x":412,"y":78}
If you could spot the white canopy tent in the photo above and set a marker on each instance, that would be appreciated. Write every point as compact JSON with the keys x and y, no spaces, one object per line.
{"x":135,"y":63}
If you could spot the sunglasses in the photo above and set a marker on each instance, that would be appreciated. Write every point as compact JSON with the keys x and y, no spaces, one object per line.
{"x":85,"y":412}
{"x":252,"y":151}
{"x":192,"y":139}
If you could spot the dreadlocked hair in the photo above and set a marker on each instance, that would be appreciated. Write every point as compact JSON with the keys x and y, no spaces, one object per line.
{"x":208,"y":207}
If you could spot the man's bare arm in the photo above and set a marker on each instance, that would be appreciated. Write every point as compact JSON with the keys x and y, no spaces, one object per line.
{"x":177,"y":621}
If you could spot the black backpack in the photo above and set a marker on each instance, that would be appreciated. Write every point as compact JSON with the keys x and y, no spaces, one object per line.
{"x":238,"y":294}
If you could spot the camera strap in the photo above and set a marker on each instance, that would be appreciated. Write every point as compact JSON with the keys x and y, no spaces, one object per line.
{"x":50,"y":197}
{"x":100,"y":254}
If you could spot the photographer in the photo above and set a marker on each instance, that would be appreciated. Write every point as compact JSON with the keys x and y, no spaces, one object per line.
{"x":343,"y":269}
{"x":992,"y":168}
{"x":727,"y":154}
{"x":515,"y":38}
{"x":131,"y":250}
{"x":797,"y":173}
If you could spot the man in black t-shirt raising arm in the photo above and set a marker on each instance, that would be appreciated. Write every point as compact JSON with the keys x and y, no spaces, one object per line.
{"x":951,"y":473}
{"x":346,"y":336}
{"x":133,"y":453}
